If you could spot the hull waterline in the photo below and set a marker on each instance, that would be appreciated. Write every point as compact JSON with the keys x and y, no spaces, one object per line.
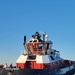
{"x":33,"y":72}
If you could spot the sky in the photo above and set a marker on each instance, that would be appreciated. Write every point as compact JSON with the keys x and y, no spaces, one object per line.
{"x":25,"y":17}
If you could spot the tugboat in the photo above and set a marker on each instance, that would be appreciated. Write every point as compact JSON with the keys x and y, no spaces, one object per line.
{"x":39,"y":58}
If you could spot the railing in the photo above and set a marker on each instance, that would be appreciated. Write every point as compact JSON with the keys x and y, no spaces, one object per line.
{"x":40,"y":51}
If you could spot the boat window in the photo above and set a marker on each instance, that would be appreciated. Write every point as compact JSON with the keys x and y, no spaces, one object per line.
{"x":35,"y":47}
{"x":52,"y":58}
{"x":31,"y":57}
{"x":29,"y":47}
{"x":50,"y":46}
{"x":40,"y":46}
{"x":46,"y":46}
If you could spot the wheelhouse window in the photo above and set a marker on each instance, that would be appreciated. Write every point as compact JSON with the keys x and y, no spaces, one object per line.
{"x":50,"y":46}
{"x":40,"y":46}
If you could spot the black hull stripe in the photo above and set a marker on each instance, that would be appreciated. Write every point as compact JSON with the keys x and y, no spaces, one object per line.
{"x":33,"y":72}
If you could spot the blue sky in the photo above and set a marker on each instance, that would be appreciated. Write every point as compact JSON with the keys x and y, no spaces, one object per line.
{"x":25,"y":17}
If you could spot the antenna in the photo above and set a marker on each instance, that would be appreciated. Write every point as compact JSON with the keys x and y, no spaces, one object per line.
{"x":24,"y":40}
